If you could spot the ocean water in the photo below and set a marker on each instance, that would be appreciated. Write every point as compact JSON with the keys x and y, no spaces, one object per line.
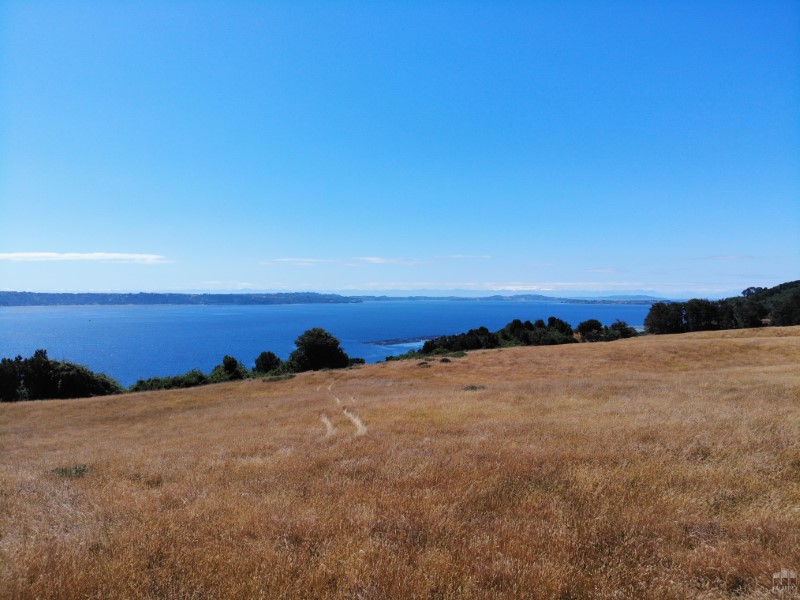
{"x":137,"y":342}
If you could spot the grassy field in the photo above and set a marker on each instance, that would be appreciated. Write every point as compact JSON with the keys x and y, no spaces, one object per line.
{"x":657,"y":467}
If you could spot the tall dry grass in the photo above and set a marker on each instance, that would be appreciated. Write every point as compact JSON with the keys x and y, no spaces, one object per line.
{"x":659,"y":467}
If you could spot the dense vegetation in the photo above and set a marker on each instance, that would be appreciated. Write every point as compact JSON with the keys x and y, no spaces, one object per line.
{"x":779,"y":305}
{"x":316,"y":349}
{"x":518,"y":333}
{"x":38,"y":377}
{"x":594,"y":331}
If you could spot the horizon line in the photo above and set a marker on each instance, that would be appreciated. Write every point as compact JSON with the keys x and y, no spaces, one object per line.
{"x":428,"y":292}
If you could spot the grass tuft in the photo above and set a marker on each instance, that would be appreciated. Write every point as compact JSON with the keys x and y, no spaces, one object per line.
{"x":71,"y":472}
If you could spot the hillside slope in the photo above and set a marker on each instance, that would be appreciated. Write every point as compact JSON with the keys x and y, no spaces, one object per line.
{"x":656,"y":467}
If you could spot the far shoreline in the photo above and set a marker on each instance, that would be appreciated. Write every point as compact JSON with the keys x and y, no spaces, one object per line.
{"x":20,"y":299}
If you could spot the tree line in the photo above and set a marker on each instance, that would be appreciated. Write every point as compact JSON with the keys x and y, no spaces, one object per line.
{"x":519,"y":333}
{"x":40,"y":378}
{"x":756,"y":307}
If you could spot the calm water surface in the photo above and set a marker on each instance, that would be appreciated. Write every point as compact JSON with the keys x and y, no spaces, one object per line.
{"x":135,"y":342}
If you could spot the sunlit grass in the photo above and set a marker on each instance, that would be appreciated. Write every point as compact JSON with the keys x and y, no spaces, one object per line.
{"x":661,"y":467}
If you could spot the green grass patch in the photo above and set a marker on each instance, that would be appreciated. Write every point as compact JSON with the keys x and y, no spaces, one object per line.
{"x":281,"y":377}
{"x":72,"y":472}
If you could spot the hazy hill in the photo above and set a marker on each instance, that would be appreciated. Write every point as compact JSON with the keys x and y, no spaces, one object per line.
{"x":654,"y":467}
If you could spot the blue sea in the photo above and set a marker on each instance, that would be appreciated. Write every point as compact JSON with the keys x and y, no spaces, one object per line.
{"x":136,"y":342}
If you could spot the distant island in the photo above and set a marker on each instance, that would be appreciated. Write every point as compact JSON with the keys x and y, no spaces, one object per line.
{"x":148,"y":298}
{"x":152,"y":298}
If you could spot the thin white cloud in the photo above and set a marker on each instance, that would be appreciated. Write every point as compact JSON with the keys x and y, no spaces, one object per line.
{"x":123,"y":257}
{"x":380,"y":260}
{"x":298,"y":262}
{"x":358,"y":261}
{"x":466,"y":257}
{"x":601,"y":270}
{"x":362,"y":261}
{"x":542,"y":287}
{"x":549,"y":286}
{"x":229,"y":285}
{"x":506,"y":286}
{"x":726,"y":258}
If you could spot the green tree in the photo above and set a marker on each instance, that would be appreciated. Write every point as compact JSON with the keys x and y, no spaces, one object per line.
{"x":560,"y":326}
{"x":76,"y":381}
{"x":752,"y":291}
{"x":726,"y":314}
{"x":665,"y":317}
{"x":701,"y":315}
{"x":39,"y":378}
{"x":749,"y":313}
{"x":621,"y":329}
{"x":788,"y":311}
{"x":230,"y":370}
{"x":10,"y":379}
{"x":267,"y":362}
{"x":317,"y":349}
{"x":590,"y":330}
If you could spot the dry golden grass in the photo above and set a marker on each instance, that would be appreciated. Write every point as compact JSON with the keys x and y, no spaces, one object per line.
{"x":659,"y":467}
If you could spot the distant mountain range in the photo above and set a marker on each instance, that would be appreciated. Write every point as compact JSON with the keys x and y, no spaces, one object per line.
{"x":521,"y":298}
{"x":148,"y":298}
{"x":632,"y":297}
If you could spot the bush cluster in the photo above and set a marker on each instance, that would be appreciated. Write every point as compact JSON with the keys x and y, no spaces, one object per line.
{"x":519,"y":333}
{"x":38,"y":377}
{"x":594,"y":331}
{"x":316,"y":349}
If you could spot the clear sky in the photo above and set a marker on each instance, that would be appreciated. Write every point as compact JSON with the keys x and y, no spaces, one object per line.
{"x":552,"y":147}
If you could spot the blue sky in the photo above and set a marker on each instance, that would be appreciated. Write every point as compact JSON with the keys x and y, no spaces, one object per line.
{"x":551,"y":147}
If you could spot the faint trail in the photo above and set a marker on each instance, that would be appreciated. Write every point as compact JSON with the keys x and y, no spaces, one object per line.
{"x":361,"y":429}
{"x":337,"y":400}
{"x":330,"y":385}
{"x":330,"y":430}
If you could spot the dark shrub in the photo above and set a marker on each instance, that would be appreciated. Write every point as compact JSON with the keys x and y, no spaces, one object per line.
{"x":230,"y":370}
{"x":39,"y":378}
{"x":267,"y":362}
{"x":317,"y":349}
{"x":590,"y":330}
